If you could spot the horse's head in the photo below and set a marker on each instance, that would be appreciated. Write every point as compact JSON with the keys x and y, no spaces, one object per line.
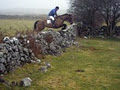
{"x":69,"y":18}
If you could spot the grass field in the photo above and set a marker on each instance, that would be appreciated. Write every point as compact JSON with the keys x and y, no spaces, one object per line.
{"x":99,"y":58}
{"x":11,"y":26}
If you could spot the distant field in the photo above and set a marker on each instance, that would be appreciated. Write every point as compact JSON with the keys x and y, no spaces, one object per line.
{"x":10,"y":26}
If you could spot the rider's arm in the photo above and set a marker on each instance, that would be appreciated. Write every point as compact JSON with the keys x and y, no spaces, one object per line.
{"x":55,"y":13}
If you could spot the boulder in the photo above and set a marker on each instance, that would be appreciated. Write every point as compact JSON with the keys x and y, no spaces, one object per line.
{"x":25,"y":82}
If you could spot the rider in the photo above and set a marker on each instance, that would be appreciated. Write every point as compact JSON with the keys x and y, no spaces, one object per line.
{"x":52,"y":14}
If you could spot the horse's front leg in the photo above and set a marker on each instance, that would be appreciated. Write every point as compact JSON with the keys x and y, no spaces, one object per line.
{"x":64,"y":26}
{"x":35,"y":32}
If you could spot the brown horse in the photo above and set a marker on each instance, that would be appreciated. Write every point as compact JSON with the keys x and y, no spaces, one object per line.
{"x":59,"y":22}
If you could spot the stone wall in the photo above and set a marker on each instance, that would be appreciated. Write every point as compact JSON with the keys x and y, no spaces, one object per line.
{"x":17,"y":51}
{"x":13,"y":54}
{"x":55,"y":43}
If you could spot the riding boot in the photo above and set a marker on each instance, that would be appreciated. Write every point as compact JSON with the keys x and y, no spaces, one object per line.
{"x":53,"y":23}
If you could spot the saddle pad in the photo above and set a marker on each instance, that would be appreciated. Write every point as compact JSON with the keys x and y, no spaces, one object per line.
{"x":48,"y":21}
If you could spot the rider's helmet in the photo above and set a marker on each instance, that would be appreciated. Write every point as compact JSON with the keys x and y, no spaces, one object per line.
{"x":56,"y":7}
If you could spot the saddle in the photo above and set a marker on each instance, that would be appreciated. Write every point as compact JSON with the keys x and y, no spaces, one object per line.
{"x":49,"y":21}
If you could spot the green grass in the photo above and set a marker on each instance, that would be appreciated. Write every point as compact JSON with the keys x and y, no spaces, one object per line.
{"x":11,"y":26}
{"x":98,"y":57}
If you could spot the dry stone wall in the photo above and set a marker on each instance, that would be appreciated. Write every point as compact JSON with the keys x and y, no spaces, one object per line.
{"x":17,"y":51}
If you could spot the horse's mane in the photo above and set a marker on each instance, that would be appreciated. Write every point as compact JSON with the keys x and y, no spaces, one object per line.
{"x":62,"y":15}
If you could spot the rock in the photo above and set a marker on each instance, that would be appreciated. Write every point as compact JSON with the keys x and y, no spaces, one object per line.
{"x":38,"y":61}
{"x":22,"y":59}
{"x":6,"y":39}
{"x":43,"y":69}
{"x":1,"y":54}
{"x":15,"y":40}
{"x":13,"y":83}
{"x":48,"y":65}
{"x":85,"y":37}
{"x":75,"y":43}
{"x":2,"y":80}
{"x":1,"y":75}
{"x":26,"y":51}
{"x":25,"y":82}
{"x":2,"y":60}
{"x":2,"y":68}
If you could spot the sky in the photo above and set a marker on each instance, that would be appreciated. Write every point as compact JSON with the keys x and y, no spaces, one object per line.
{"x":33,"y":4}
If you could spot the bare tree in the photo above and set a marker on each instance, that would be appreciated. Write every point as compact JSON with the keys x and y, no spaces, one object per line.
{"x":110,"y":10}
{"x":84,"y":11}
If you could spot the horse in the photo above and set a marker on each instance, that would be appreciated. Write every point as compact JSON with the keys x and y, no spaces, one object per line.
{"x":39,"y":25}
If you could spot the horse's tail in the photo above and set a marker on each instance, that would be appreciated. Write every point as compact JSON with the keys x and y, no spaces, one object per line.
{"x":35,"y":26}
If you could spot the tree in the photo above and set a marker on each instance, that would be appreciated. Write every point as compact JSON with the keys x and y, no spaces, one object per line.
{"x":110,"y":10}
{"x":84,"y":12}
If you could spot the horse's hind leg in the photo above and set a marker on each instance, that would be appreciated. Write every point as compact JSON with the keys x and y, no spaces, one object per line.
{"x":64,"y":26}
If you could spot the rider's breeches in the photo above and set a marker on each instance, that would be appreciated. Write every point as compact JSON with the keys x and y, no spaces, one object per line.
{"x":51,"y":17}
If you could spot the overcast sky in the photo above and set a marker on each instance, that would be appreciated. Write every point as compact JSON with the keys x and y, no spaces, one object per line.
{"x":36,"y":4}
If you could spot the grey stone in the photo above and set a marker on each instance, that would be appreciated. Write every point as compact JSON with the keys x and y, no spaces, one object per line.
{"x":48,"y":65}
{"x":15,"y":40}
{"x":26,"y":51}
{"x":25,"y":82}
{"x":2,"y":68}
{"x":22,"y":59}
{"x":6,"y":39}
{"x":1,"y":54}
{"x":38,"y":61}
{"x":2,"y":60}
{"x":14,"y":83}
{"x":43,"y":69}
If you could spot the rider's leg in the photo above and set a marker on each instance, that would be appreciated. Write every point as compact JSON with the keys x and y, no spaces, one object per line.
{"x":52,"y":20}
{"x":53,"y":23}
